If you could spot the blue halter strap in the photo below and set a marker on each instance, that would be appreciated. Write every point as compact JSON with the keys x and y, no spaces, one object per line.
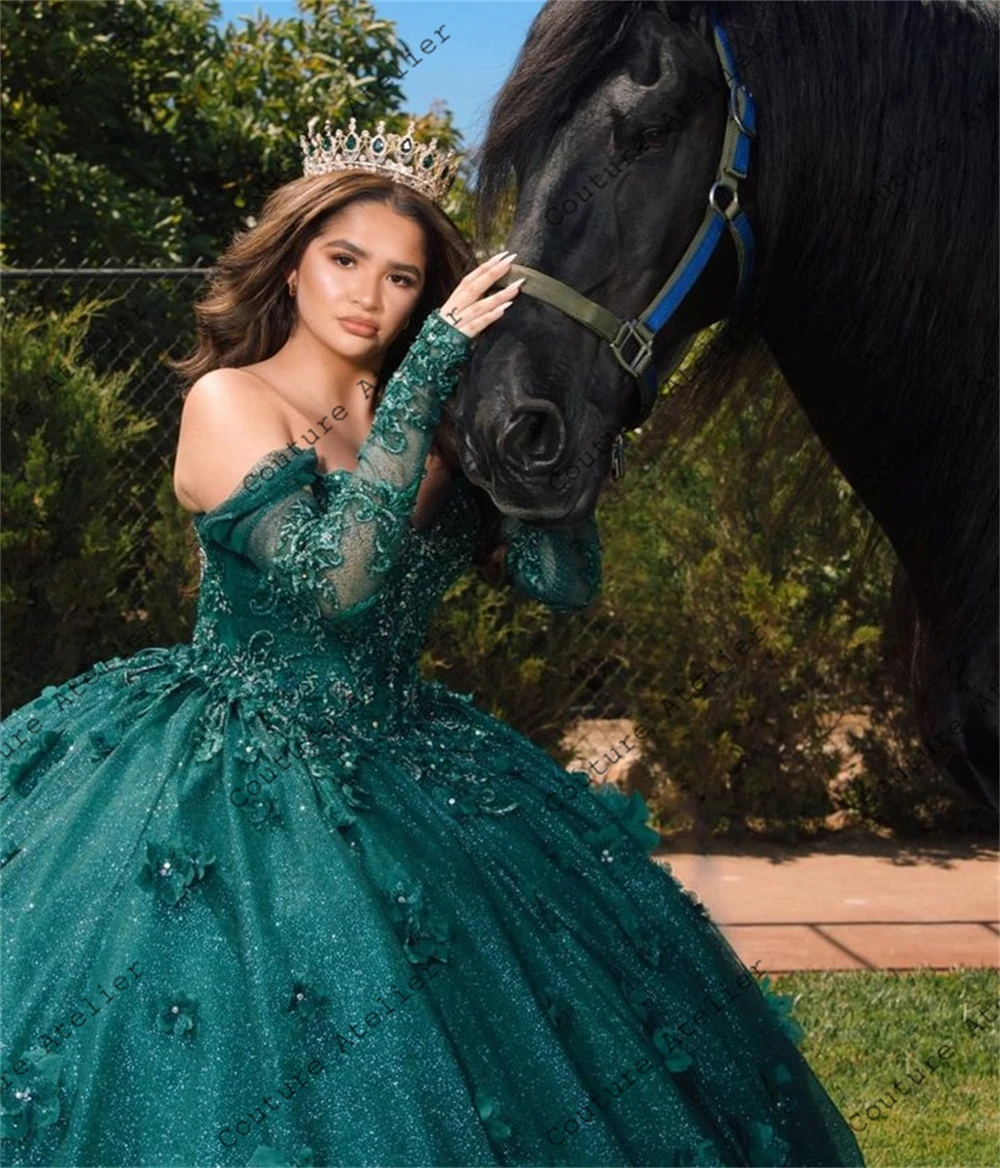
{"x":741,"y":127}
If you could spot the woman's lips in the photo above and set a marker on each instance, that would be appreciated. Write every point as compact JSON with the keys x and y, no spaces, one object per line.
{"x":359,"y":329}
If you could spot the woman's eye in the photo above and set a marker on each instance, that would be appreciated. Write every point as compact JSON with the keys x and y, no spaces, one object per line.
{"x":408,"y":281}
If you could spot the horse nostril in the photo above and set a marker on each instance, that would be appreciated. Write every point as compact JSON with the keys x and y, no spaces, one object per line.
{"x":534,"y":435}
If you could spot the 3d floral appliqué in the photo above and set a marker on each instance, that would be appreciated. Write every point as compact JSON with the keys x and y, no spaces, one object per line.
{"x":32,"y":1104}
{"x":782,"y":1006}
{"x":559,"y":1011}
{"x":498,"y":1127}
{"x":171,"y":868}
{"x":268,"y":1157}
{"x":424,"y":933}
{"x":306,"y":1002}
{"x":177,"y":1015}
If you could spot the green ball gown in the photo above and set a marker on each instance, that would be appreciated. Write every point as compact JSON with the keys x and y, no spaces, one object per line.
{"x":270,"y":898}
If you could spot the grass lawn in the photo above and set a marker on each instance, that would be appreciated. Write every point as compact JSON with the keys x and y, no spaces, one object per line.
{"x":866,"y":1030}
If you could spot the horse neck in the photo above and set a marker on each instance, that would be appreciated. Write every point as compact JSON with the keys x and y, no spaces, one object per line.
{"x":883,"y":319}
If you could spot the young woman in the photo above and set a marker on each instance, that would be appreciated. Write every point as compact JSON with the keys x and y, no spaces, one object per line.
{"x":269,"y":898}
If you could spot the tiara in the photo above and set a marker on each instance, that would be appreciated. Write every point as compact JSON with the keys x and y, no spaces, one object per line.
{"x":397,"y":155}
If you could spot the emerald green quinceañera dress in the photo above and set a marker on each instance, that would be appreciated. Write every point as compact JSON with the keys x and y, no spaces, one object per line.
{"x":270,"y":898}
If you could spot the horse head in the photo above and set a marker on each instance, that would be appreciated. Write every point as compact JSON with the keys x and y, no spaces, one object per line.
{"x":597,"y":327}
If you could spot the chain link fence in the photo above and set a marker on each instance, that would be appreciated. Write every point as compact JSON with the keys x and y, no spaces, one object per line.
{"x":147,"y":319}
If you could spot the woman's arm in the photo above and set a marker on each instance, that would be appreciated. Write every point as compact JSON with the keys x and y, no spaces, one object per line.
{"x":335,"y":557}
{"x":559,"y":566}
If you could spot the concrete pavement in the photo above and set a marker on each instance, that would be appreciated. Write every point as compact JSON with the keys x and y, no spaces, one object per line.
{"x":884,"y":904}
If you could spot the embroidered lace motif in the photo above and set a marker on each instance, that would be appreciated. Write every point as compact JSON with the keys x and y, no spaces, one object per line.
{"x":337,"y":558}
{"x":560,"y":566}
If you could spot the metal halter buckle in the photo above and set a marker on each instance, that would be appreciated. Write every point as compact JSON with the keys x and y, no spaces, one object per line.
{"x":618,"y":458}
{"x":736,"y":108}
{"x":636,"y":331}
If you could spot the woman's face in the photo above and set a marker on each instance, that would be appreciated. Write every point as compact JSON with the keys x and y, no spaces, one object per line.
{"x":367,"y":265}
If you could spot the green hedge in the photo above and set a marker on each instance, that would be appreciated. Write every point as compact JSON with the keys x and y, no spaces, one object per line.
{"x":76,"y":535}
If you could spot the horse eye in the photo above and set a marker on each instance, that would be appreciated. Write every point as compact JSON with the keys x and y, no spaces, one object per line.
{"x":651,"y":137}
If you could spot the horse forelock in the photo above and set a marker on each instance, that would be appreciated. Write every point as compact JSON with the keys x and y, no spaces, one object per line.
{"x":567,"y":46}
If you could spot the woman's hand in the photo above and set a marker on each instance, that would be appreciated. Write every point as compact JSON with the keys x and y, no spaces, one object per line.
{"x":468,"y":309}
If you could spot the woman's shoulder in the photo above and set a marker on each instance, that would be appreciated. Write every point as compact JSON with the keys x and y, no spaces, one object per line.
{"x":228,"y":422}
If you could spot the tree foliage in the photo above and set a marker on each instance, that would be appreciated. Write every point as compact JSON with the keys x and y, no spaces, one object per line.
{"x":145,"y":131}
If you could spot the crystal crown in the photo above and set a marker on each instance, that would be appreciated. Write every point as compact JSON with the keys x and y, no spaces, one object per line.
{"x":399,"y":156}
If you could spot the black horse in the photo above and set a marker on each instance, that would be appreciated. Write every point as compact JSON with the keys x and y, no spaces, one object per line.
{"x":870,"y":213}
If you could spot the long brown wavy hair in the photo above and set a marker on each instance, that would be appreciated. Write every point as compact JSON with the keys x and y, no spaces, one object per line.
{"x":246,"y":314}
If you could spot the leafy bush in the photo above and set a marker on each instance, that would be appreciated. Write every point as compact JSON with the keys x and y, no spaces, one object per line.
{"x":72,"y":533}
{"x":752,"y":528}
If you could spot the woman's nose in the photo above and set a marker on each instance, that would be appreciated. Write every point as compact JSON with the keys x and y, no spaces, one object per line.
{"x":366,"y":293}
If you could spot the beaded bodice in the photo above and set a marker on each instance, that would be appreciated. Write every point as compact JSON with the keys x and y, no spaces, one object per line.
{"x":283,"y":650}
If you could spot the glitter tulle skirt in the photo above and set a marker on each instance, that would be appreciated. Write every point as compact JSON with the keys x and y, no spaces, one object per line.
{"x":412,"y":948}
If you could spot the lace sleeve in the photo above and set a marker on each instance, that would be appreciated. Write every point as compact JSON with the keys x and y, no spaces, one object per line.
{"x":337,"y":556}
{"x":560,"y":566}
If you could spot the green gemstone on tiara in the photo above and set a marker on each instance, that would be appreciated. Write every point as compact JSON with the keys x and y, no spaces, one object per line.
{"x":322,"y":154}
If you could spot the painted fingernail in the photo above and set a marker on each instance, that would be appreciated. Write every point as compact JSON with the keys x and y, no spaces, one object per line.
{"x":499,"y":255}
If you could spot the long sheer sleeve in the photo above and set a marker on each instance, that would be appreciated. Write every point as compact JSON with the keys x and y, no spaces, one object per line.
{"x":560,"y":566}
{"x":336,"y":557}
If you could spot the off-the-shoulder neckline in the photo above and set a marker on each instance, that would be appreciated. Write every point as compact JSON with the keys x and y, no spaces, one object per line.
{"x":199,"y":516}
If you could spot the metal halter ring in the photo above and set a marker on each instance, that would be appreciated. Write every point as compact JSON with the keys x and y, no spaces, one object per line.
{"x":732,"y":208}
